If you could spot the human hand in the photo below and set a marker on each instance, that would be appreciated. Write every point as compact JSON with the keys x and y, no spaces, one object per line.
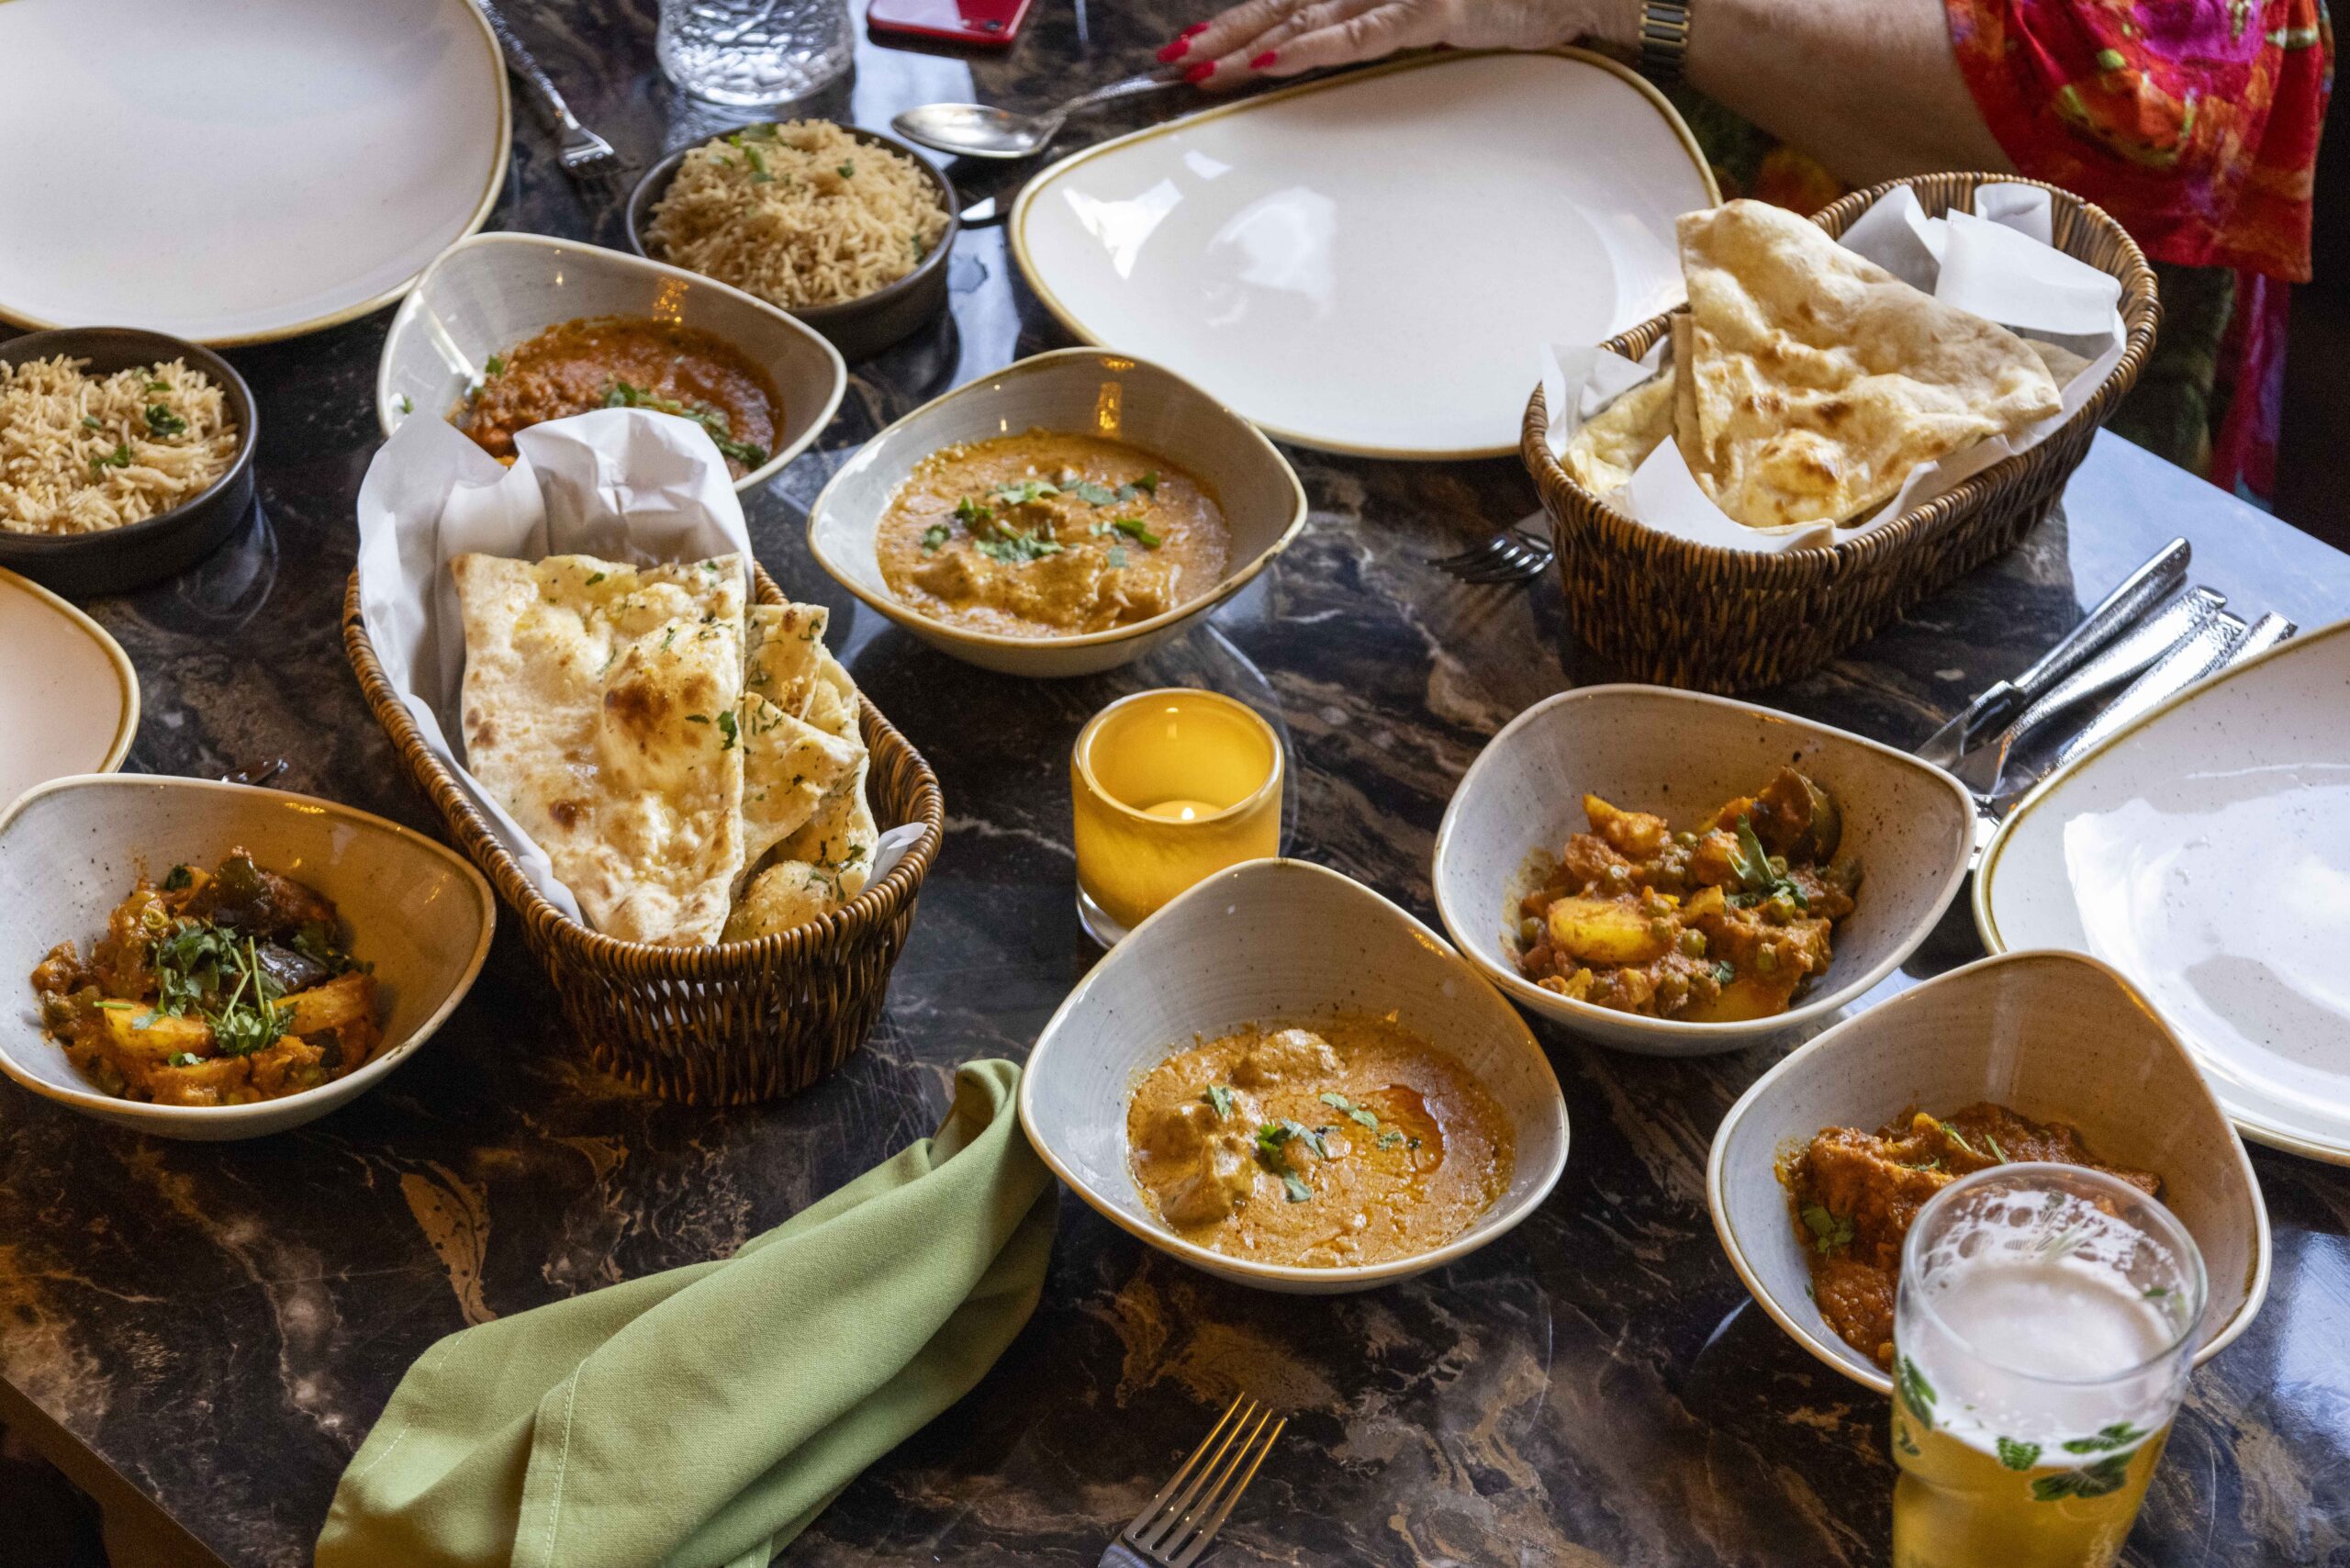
{"x":1283,"y":38}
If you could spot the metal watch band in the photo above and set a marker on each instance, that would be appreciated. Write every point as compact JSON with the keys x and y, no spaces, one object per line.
{"x":1664,"y":38}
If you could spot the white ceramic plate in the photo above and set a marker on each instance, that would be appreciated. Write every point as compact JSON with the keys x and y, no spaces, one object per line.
{"x":69,"y":699}
{"x":237,"y":172}
{"x":416,"y":911}
{"x":487,"y":294}
{"x":2053,"y":1035}
{"x":1070,"y":389}
{"x":2205,"y":853}
{"x":1370,"y":265}
{"x":1275,"y":940}
{"x":1680,"y":753}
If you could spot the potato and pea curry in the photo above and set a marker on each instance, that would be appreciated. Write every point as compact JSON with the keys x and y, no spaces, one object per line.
{"x":1716,"y":924}
{"x":212,"y":987}
{"x":1351,"y":1142}
{"x":1855,"y":1194}
{"x":1046,"y":536}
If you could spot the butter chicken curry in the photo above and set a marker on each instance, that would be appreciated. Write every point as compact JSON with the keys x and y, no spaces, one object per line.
{"x":1350,"y":1142}
{"x":1853,"y":1194}
{"x":1714,"y":924}
{"x":1049,"y":535}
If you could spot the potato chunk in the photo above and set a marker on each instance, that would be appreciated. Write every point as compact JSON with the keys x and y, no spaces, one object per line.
{"x":1608,"y":931}
{"x":346,"y":999}
{"x":139,"y":1033}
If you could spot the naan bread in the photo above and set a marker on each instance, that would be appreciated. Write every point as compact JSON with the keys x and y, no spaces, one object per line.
{"x":826,"y":862}
{"x":1612,"y":442}
{"x":1819,"y":379}
{"x":790,"y":767}
{"x":600,"y":708}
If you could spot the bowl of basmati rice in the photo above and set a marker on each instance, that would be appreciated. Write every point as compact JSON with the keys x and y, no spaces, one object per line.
{"x":125,"y":456}
{"x":845,"y":229}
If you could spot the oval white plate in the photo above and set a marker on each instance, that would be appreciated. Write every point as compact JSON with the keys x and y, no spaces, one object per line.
{"x":2205,"y":853}
{"x":1370,"y":265}
{"x":235,"y":174}
{"x":69,"y":699}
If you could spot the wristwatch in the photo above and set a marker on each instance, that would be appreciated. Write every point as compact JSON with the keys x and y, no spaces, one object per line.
{"x":1664,"y":38}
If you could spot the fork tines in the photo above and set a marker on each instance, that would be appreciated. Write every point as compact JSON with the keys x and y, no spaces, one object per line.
{"x":1177,"y":1525}
{"x":1513,"y":555}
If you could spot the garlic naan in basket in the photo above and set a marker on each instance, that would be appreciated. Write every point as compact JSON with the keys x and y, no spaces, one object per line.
{"x":657,"y":739}
{"x":1807,"y":381}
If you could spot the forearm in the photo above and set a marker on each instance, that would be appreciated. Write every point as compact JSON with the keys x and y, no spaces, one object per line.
{"x":1870,"y":88}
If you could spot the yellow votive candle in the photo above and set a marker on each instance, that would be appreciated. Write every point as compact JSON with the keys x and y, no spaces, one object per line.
{"x":1168,"y":788}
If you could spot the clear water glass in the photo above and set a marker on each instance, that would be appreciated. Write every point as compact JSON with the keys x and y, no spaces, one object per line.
{"x":754,"y":52}
{"x":2041,"y":1337}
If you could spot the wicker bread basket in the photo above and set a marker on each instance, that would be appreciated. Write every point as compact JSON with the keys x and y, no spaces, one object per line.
{"x":1658,"y":608}
{"x":715,"y":1026}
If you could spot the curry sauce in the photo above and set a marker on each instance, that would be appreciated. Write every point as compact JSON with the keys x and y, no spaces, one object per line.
{"x":1046,"y":534}
{"x":1855,"y":1194}
{"x":626,"y":362}
{"x":1351,"y":1142}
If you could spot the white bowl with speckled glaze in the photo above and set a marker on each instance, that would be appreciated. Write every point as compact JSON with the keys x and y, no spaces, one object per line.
{"x":1680,"y":754}
{"x":2054,"y":1035}
{"x":1267,"y":941}
{"x":70,"y":850}
{"x":1093,"y":392}
{"x":482,"y":296}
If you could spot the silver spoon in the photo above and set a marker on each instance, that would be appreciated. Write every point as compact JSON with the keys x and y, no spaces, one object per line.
{"x":981,"y":131}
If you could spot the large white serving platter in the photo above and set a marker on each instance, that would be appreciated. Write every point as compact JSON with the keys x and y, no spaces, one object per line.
{"x":1370,"y":265}
{"x":2205,"y":853}
{"x":242,"y":170}
{"x":69,"y":699}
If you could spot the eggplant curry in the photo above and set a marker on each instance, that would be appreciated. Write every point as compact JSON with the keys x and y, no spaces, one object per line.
{"x":216,"y":987}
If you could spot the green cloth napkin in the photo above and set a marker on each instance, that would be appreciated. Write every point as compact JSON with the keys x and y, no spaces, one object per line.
{"x":701,"y":1417}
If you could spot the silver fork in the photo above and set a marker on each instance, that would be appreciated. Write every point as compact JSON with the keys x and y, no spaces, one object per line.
{"x":583,"y":151}
{"x":262,"y":773}
{"x":1175,"y":1527}
{"x":1516,"y":554}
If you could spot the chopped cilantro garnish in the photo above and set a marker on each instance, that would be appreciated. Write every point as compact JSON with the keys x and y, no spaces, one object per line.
{"x":1136,"y":530}
{"x":594,"y":578}
{"x":1831,"y":1232}
{"x":118,"y":458}
{"x":934,"y":536}
{"x":846,"y":171}
{"x":177,"y":879}
{"x":726,"y":728}
{"x":162,"y":422}
{"x":1015,"y":548}
{"x":494,"y":366}
{"x":1220,"y":1097}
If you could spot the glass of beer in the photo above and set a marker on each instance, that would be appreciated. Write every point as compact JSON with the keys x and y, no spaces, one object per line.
{"x":2041,"y":1337}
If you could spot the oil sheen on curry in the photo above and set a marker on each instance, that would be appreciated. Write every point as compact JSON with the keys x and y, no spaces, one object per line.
{"x":1350,"y":1142}
{"x":1855,"y":1194}
{"x":1049,"y":535}
{"x":626,"y":362}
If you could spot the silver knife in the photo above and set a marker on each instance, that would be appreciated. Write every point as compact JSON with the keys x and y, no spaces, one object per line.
{"x":2124,"y":658}
{"x":2152,"y":583}
{"x":2204,"y":652}
{"x":2267,"y":633}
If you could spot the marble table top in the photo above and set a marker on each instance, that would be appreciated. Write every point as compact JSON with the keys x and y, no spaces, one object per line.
{"x":202,"y":1334}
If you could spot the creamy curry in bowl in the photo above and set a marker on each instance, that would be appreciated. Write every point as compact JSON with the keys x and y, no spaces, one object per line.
{"x":1348,"y":1142}
{"x":1047,"y":535}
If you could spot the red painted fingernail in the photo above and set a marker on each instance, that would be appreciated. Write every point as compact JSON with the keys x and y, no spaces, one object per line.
{"x":1194,"y":30}
{"x":1261,"y":61}
{"x":1176,"y":49}
{"x":1200,"y":73}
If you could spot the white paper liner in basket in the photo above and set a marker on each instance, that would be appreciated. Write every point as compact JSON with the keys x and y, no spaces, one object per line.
{"x":622,"y":484}
{"x":1996,"y":261}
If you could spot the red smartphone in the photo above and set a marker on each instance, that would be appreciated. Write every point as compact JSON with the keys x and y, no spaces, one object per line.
{"x":986,"y":23}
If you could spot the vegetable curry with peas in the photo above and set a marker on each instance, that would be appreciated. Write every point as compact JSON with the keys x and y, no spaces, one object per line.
{"x":1713,"y":925}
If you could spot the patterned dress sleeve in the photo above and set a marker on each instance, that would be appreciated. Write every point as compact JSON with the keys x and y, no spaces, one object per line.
{"x":2194,"y":122}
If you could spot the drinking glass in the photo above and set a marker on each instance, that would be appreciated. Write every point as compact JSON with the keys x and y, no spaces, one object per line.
{"x":1168,"y":788}
{"x":2042,"y":1338}
{"x":750,"y":52}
